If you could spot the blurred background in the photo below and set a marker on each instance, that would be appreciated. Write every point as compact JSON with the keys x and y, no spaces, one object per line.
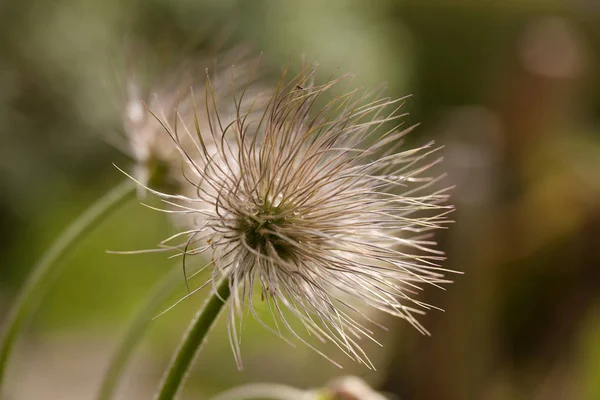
{"x":511,"y":89}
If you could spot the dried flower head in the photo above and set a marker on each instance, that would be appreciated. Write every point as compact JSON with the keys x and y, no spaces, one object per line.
{"x":312,"y":203}
{"x":164,"y":101}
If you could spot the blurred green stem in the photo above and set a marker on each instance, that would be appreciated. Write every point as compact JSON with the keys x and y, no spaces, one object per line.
{"x":191,"y":342}
{"x":49,"y":266}
{"x":158,"y":295}
{"x":265,"y":391}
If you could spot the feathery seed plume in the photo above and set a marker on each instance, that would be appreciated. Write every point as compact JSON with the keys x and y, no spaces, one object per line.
{"x":315,"y":204}
{"x":167,"y":100}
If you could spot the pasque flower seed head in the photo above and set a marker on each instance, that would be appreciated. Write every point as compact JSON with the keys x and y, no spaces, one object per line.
{"x":315,"y":204}
{"x":167,"y":99}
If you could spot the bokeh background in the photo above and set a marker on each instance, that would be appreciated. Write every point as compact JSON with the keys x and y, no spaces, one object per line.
{"x":510,"y":88}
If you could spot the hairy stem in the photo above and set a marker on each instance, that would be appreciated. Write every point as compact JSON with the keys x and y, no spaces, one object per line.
{"x":191,"y":343}
{"x":141,"y":321}
{"x":49,"y":266}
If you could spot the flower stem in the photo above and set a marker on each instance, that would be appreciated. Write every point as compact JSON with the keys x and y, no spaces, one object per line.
{"x":141,"y":321}
{"x":48,"y":267}
{"x":191,"y":342}
{"x":264,"y":391}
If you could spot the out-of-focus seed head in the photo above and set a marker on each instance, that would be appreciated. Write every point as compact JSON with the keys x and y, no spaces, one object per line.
{"x":157,"y":160}
{"x":164,"y":103}
{"x":316,"y":204}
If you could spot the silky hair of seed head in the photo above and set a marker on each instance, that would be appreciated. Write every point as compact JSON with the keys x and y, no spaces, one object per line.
{"x":166,"y":97}
{"x":315,"y":204}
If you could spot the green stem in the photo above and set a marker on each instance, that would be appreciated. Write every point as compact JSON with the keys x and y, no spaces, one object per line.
{"x":191,"y":343}
{"x":265,"y":391}
{"x":142,"y":320}
{"x":48,"y":267}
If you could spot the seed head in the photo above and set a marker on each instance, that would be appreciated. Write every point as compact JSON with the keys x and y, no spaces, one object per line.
{"x":163,"y":104}
{"x":314,"y":204}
